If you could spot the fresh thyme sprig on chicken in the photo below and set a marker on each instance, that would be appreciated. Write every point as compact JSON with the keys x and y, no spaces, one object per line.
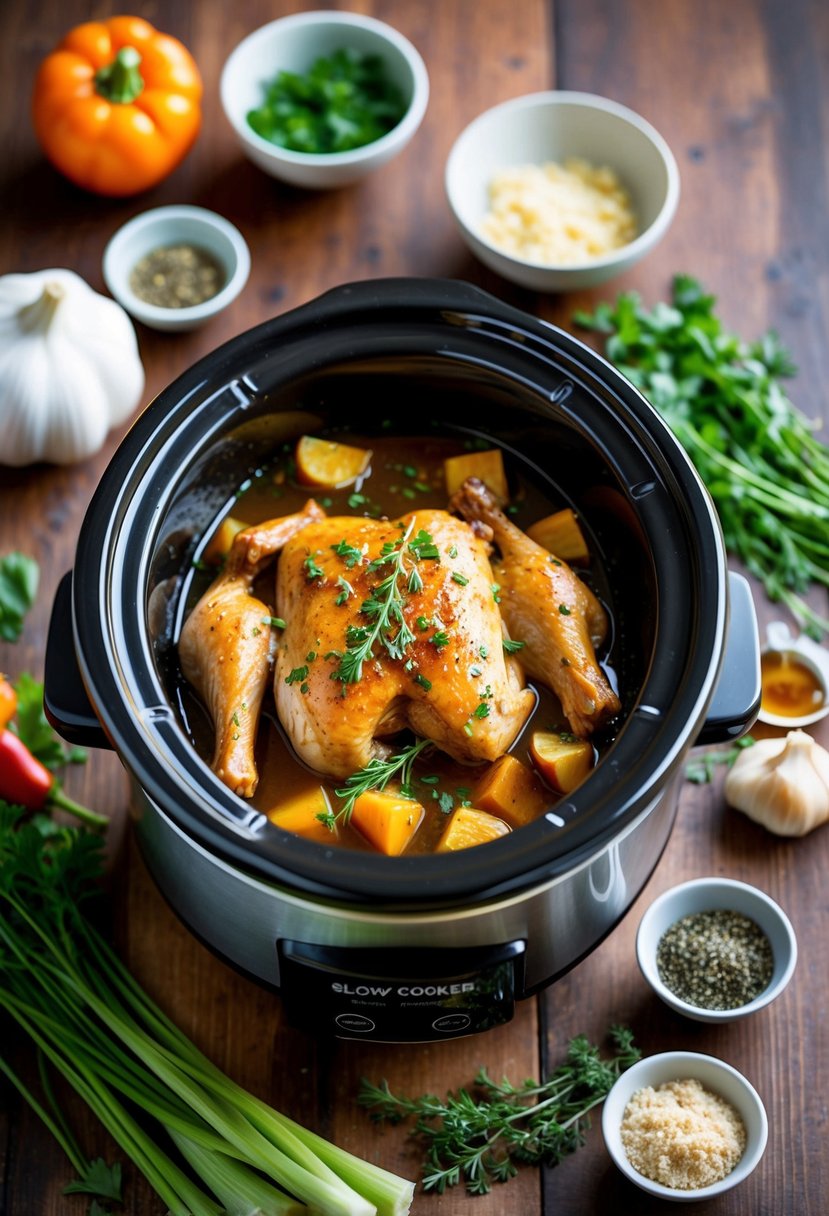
{"x":375,"y":776}
{"x":483,"y":1140}
{"x":384,"y":606}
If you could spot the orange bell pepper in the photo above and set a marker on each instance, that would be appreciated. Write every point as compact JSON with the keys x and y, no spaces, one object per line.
{"x":117,"y":105}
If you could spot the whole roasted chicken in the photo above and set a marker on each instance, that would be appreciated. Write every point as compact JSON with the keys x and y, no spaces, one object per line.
{"x":390,"y":624}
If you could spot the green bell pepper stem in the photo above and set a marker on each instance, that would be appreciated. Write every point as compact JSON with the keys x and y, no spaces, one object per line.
{"x":120,"y":81}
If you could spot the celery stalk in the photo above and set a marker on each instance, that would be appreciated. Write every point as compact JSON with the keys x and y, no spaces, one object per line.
{"x":240,"y":1191}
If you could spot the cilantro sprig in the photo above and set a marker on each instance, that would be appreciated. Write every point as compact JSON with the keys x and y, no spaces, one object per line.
{"x":757,"y":453}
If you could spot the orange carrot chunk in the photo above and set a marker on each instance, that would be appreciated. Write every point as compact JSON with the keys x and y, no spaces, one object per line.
{"x":487,"y":466}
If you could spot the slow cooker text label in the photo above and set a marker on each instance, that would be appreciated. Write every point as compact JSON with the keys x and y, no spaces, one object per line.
{"x":403,"y":990}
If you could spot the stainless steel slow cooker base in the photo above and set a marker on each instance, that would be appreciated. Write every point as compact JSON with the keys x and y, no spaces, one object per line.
{"x":297,"y":944}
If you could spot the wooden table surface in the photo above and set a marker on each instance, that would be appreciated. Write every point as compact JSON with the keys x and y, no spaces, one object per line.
{"x":741,"y":94}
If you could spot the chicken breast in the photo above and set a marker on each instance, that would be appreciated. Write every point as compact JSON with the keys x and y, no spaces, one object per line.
{"x":392,"y":624}
{"x":546,"y":606}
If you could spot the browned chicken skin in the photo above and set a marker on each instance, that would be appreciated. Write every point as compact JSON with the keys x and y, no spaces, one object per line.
{"x":226,"y":647}
{"x":546,"y":606}
{"x":452,"y":682}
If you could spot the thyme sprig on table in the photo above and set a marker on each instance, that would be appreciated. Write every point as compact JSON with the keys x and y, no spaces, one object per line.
{"x":376,"y":776}
{"x":700,"y":770}
{"x":483,"y":1139}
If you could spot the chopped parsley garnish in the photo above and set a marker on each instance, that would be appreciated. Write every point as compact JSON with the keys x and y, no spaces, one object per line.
{"x":346,"y":590}
{"x":297,"y":675}
{"x":344,"y":100}
{"x":511,"y":647}
{"x":276,"y":622}
{"x":423,"y":622}
{"x":446,"y":803}
{"x":310,"y":656}
{"x":483,"y":651}
{"x":422,"y":681}
{"x":459,"y":578}
{"x":564,"y":610}
{"x":453,"y":550}
{"x":350,"y":554}
{"x":357,"y":500}
{"x":312,"y":570}
{"x":496,"y":587}
{"x":482,"y":711}
{"x":424,"y":547}
{"x":440,"y":639}
{"x":430,"y":779}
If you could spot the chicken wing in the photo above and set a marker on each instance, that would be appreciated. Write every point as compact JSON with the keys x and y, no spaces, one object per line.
{"x":547,"y":607}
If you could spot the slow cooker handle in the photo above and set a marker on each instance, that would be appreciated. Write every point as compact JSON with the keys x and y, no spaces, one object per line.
{"x":736,"y":701}
{"x":65,"y":702}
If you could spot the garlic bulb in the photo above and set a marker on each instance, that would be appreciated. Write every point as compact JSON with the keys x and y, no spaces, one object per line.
{"x":782,"y":784}
{"x":69,"y":368}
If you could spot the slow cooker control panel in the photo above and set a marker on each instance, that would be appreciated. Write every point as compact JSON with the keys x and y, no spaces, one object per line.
{"x":399,"y":995}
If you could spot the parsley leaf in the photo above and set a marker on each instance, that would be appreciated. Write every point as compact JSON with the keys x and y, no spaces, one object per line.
{"x":19,"y":577}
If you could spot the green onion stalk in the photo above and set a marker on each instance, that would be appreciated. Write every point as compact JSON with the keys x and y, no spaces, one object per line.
{"x":90,"y":1019}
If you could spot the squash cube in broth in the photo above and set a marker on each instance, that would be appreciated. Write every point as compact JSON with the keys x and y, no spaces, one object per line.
{"x":563,"y":760}
{"x":469,"y":827}
{"x":218,"y":547}
{"x":487,"y":466}
{"x":388,"y":821}
{"x":300,"y":814}
{"x":511,"y":791}
{"x":561,"y":534}
{"x":328,"y":465}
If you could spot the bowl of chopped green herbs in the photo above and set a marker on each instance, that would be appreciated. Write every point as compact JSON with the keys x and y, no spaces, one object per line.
{"x":321,"y":99}
{"x":716,"y":949}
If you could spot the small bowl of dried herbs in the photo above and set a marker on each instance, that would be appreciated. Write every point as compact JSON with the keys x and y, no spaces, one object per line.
{"x":716,"y":949}
{"x":174,"y":268}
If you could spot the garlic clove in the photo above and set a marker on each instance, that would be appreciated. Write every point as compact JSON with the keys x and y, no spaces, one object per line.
{"x":782,"y":784}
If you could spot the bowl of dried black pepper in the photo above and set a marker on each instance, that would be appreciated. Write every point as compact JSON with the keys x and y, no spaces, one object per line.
{"x":174,"y":268}
{"x":716,"y":949}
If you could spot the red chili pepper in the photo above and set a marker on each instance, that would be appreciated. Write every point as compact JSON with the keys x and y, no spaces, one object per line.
{"x":26,"y":782}
{"x":23,"y":779}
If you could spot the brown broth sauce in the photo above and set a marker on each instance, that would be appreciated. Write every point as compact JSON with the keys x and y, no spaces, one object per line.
{"x":405,"y":475}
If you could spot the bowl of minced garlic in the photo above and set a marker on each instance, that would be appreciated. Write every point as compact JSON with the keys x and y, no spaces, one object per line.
{"x":684,"y":1126}
{"x":561,"y":190}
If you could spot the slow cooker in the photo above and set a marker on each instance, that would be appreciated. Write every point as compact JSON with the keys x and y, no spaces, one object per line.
{"x":420,"y":947}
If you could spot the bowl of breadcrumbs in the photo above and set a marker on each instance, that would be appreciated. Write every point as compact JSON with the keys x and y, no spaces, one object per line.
{"x":684,"y":1126}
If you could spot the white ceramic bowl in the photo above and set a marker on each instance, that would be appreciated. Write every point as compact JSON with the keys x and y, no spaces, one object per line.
{"x":543,"y":127}
{"x":294,"y":43}
{"x":717,"y":1077}
{"x":172,"y":226}
{"x":705,"y":895}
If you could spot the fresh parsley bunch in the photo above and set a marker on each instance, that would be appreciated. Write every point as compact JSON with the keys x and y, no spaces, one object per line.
{"x":758,"y":455}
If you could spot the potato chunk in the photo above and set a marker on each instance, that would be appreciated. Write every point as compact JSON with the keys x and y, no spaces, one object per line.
{"x":218,"y":547}
{"x":565,"y":762}
{"x":487,"y":466}
{"x":561,"y":534}
{"x":329,"y":465}
{"x":469,"y":827}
